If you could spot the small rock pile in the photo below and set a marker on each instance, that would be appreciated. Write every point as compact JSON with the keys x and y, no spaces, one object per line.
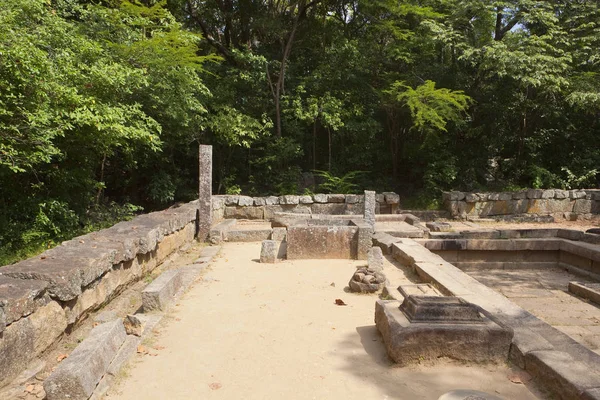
{"x":367,"y":280}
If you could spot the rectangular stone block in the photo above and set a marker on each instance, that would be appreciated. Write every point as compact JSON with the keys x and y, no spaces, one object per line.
{"x":322,"y":242}
{"x":76,"y":377}
{"x":19,"y":298}
{"x":249,"y":235}
{"x":565,"y":376}
{"x":158,"y":295}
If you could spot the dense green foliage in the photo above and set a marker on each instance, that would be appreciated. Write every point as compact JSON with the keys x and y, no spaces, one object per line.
{"x":103,"y":103}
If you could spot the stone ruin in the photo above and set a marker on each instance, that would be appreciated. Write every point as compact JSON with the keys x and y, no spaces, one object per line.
{"x":449,"y":315}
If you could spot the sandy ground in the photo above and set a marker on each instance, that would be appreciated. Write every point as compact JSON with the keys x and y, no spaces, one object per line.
{"x":258,"y":331}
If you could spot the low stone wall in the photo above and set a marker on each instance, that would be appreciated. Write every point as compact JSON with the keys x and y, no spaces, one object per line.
{"x":245,"y":207}
{"x":569,"y":204}
{"x":42,"y":297}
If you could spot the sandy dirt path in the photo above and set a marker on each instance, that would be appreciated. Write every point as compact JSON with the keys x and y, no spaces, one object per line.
{"x":261,"y":331}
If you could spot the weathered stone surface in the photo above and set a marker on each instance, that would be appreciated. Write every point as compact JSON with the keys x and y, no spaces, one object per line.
{"x":370,"y":207}
{"x":133,"y":325}
{"x":456,"y":196}
{"x":534,"y":193}
{"x":322,"y":242}
{"x":19,"y":298}
{"x":582,"y":206}
{"x":159,"y":294}
{"x":329,"y":208}
{"x":375,"y":259}
{"x":384,"y":241}
{"x":218,"y":233}
{"x":16,"y":349}
{"x":565,"y":376}
{"x":420,"y":289}
{"x":439,"y":309}
{"x":351,"y":199}
{"x":548,"y":194}
{"x":249,"y":235}
{"x":336,"y":198}
{"x":260,"y":201}
{"x":231,"y":200}
{"x":519,"y":195}
{"x":366,"y":280}
{"x":66,"y":269}
{"x":472,"y":197}
{"x":245,"y":201}
{"x":320,"y":198}
{"x":364,"y":239}
{"x":77,"y":376}
{"x":391,"y":198}
{"x":439,"y":226}
{"x":289,"y":199}
{"x":550,"y":206}
{"x":589,"y":291}
{"x":408,"y":342}
{"x":244,"y":212}
{"x":306,"y":200}
{"x":204,"y":191}
{"x":380,"y":198}
{"x":279,"y":234}
{"x":105,"y":316}
{"x":561,"y":194}
{"x":48,"y":322}
{"x":268,"y":251}
{"x":577,"y":194}
{"x":272,"y":200}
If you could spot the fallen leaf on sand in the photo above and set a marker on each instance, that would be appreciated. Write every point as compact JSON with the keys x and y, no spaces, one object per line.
{"x":177,"y":319}
{"x":159,"y":347}
{"x":332,"y":284}
{"x":141,"y":349}
{"x":61,"y":357}
{"x":340,"y":302}
{"x":29,"y":388}
{"x":215,"y":386}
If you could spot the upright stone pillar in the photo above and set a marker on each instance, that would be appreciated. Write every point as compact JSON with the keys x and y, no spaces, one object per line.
{"x":370,"y":204}
{"x":205,"y":192}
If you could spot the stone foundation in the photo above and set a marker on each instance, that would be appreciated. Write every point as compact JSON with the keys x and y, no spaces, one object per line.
{"x":42,"y":297}
{"x":245,"y":207}
{"x":568,"y":204}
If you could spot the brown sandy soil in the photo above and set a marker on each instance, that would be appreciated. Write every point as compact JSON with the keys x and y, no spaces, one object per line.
{"x":247,"y":330}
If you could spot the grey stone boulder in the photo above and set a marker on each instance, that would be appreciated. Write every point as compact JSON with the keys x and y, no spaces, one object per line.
{"x":272,"y":200}
{"x":336,"y":198}
{"x":289,"y":199}
{"x":391,"y":198}
{"x":268,"y":251}
{"x":245,"y":201}
{"x":320,"y":198}
{"x":305,"y":200}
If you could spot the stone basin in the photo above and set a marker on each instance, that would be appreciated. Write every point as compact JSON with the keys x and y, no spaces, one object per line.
{"x":329,"y":239}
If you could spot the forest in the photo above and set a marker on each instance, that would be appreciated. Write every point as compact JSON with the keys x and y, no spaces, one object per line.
{"x":103,"y":103}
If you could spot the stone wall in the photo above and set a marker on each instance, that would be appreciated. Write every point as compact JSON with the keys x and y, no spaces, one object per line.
{"x":245,"y":207}
{"x":42,"y":297}
{"x":569,"y":204}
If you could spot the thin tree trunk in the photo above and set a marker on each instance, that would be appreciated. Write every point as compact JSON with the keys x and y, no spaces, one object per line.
{"x":100,"y":188}
{"x":329,"y":158}
{"x":314,"y":144}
